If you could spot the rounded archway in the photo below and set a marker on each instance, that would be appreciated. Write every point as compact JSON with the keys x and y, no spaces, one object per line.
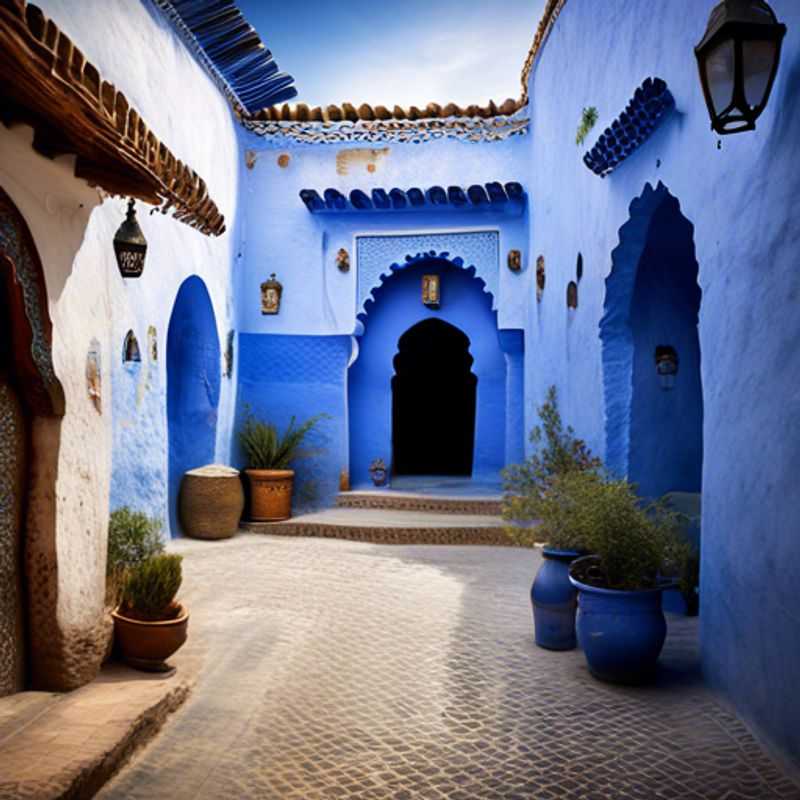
{"x":654,"y":420}
{"x":463,"y":326}
{"x":31,"y":407}
{"x":433,"y":401}
{"x":193,"y":386}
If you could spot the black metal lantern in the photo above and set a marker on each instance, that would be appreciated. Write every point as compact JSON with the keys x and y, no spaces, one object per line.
{"x":738,"y":60}
{"x":666,"y":366}
{"x":130,"y":245}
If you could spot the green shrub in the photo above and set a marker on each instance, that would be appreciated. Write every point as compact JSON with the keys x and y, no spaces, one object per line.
{"x":150,"y":588}
{"x":526,"y":486}
{"x":266,"y":448}
{"x":133,"y":537}
{"x":636,"y":544}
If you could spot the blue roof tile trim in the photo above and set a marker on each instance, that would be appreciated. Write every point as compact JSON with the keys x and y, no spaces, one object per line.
{"x":650,"y":103}
{"x":494,"y":196}
{"x":230,"y":49}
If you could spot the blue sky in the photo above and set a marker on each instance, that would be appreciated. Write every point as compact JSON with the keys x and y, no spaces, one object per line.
{"x":405,"y":52}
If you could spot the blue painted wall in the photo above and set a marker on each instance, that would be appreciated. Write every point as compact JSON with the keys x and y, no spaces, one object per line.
{"x":285,"y":376}
{"x":138,"y":464}
{"x":193,"y":387}
{"x":397,"y":307}
{"x":741,"y":199}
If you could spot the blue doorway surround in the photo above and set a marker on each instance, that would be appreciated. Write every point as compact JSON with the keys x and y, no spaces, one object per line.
{"x":193,"y":387}
{"x":390,"y":311}
{"x":654,"y":435}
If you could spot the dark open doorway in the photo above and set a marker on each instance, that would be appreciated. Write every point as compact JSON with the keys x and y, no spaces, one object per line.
{"x":433,"y":401}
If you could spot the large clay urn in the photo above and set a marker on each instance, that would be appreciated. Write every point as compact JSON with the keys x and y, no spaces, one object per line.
{"x":270,"y":494}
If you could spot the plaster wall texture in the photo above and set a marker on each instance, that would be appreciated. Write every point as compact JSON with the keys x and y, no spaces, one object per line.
{"x":280,"y":235}
{"x":741,"y":198}
{"x":89,"y":302}
{"x":178,"y":100}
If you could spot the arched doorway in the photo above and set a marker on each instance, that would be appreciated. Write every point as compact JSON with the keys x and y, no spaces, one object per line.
{"x":465,"y":327}
{"x":654,"y":422}
{"x":31,"y":400}
{"x":193,"y":387}
{"x":433,"y":401}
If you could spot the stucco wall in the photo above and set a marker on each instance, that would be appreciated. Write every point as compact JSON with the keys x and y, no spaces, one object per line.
{"x":741,"y":198}
{"x":281,"y":236}
{"x":89,"y":301}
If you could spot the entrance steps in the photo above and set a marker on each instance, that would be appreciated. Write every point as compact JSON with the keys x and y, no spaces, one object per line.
{"x":392,"y":525}
{"x":411,"y":501}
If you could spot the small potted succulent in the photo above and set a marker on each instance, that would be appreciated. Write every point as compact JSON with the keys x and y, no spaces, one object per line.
{"x":269,"y":454}
{"x":149,"y":625}
{"x":378,"y":473}
{"x":540,"y":512}
{"x":620,"y":623}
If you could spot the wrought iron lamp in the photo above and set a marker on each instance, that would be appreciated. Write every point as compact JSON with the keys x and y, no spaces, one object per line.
{"x":666,"y":366}
{"x":130,"y":245}
{"x":738,"y":59}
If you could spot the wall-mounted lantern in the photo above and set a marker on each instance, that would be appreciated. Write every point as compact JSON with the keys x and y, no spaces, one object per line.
{"x":514,"y":260}
{"x":431,"y":295}
{"x":738,"y":59}
{"x":271,"y":292}
{"x":130,"y":245}
{"x":666,"y":366}
{"x":343,"y":260}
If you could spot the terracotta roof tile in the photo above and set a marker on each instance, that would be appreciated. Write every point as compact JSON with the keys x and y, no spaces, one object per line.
{"x":46,"y":82}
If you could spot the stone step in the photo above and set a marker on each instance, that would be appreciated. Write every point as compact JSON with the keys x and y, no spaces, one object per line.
{"x":384,"y":526}
{"x":409,"y":501}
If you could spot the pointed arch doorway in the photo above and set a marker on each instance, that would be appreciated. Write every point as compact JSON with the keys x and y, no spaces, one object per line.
{"x":433,"y":401}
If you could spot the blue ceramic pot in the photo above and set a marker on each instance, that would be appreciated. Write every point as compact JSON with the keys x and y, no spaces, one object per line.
{"x":554,"y":601}
{"x":621,"y":633}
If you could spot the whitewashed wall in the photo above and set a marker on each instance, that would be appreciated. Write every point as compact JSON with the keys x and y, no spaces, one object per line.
{"x":73,"y":230}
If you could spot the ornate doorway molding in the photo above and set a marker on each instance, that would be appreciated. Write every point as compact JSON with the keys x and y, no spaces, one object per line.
{"x":30,"y":369}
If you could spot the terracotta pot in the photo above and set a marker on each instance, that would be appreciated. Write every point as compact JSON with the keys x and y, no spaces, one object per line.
{"x":147,"y":645}
{"x":270,"y":494}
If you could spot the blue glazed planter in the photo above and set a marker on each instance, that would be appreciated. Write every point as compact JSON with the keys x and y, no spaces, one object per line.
{"x":621,"y":633}
{"x":554,"y":601}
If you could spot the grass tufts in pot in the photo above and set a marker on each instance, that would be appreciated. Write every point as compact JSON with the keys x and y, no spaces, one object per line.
{"x":151,"y":587}
{"x":530,"y":492}
{"x":133,"y":537}
{"x":265,"y":447}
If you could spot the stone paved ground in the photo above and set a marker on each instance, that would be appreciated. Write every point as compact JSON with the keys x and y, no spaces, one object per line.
{"x":346,"y":670}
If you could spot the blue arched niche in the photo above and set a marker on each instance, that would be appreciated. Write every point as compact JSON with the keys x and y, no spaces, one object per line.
{"x":653,"y":436}
{"x":396,"y":308}
{"x":193,"y":386}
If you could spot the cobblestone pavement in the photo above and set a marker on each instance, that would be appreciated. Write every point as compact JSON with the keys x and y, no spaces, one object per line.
{"x":346,"y":670}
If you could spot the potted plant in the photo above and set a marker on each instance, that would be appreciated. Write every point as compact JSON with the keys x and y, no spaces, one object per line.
{"x":620,"y":623}
{"x":540,"y":512}
{"x":378,"y":473}
{"x":269,"y":455}
{"x":133,"y":537}
{"x":149,"y":625}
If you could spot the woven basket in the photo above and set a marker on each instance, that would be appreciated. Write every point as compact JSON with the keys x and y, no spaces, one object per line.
{"x":211,"y":502}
